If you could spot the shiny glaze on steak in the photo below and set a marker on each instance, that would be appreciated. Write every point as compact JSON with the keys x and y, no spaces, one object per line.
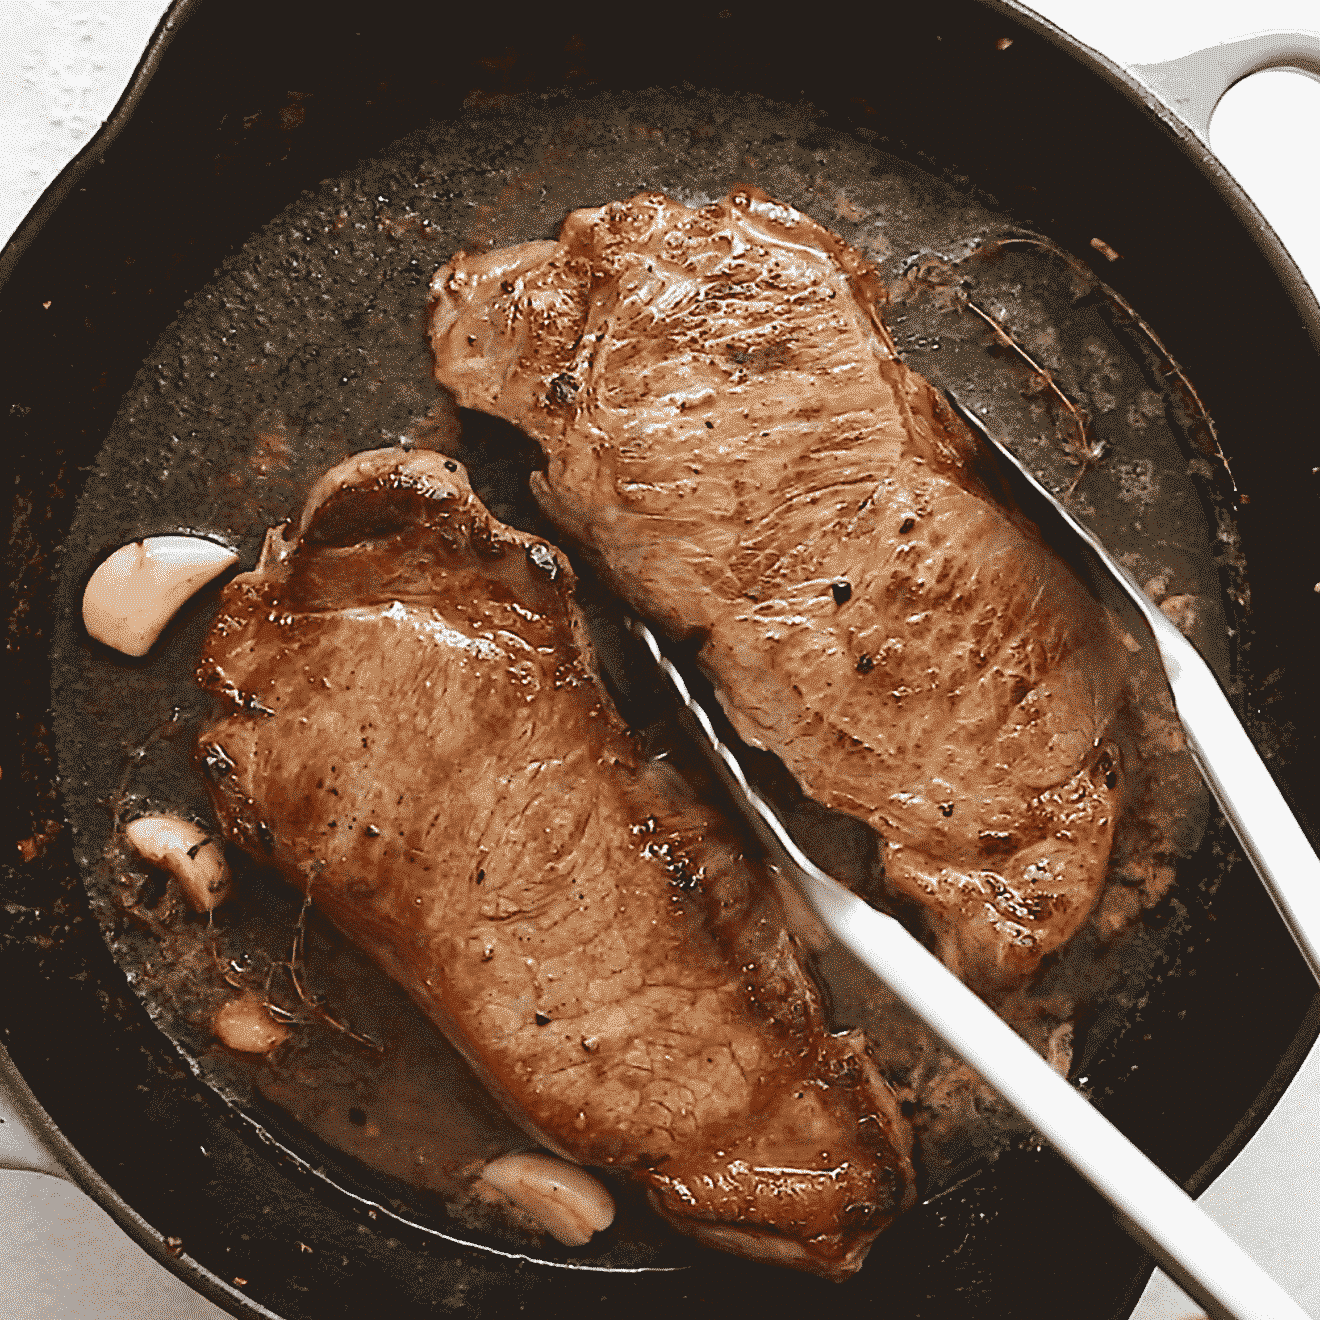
{"x":732,"y":439}
{"x":414,"y":735}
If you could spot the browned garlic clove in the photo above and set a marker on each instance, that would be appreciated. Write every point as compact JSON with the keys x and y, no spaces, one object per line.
{"x":563,"y":1198}
{"x":188,"y":853}
{"x":138,"y":589}
{"x":245,"y":1024}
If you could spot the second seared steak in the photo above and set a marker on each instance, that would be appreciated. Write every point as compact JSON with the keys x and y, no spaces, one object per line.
{"x":733,"y":439}
{"x":416,"y":738}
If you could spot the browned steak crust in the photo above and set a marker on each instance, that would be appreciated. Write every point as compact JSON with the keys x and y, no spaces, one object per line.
{"x":415,"y":737}
{"x":733,"y":440}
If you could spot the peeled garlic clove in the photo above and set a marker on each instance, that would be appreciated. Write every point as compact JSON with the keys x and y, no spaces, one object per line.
{"x":245,"y":1024}
{"x":563,"y":1198}
{"x":138,"y":589}
{"x":188,"y":853}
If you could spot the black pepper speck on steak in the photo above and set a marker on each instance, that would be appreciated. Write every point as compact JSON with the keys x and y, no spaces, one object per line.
{"x":416,"y":738}
{"x":734,"y":441}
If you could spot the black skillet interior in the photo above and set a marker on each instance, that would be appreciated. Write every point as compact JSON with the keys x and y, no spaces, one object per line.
{"x":250,"y":106}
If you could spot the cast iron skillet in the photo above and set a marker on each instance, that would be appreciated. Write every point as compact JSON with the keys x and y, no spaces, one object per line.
{"x":97,"y":275}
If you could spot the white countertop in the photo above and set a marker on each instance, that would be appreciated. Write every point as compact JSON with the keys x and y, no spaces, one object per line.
{"x":64,"y":64}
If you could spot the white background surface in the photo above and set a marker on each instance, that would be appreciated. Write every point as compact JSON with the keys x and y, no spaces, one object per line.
{"x":64,"y":65}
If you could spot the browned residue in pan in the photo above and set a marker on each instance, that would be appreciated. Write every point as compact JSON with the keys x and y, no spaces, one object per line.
{"x":310,"y":345}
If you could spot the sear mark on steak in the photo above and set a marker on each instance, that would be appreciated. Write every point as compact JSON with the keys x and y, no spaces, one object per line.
{"x":747,"y":462}
{"x":445,"y":777}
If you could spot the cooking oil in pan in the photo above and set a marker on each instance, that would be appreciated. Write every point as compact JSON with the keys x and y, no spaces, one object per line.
{"x":309,"y":345}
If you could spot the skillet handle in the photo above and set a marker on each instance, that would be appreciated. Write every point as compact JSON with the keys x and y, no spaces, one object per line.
{"x":1192,"y":85}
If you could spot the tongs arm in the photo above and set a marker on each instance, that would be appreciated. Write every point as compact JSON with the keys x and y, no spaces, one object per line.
{"x":1229,"y":762}
{"x":1151,"y":1207}
{"x":1245,"y":790}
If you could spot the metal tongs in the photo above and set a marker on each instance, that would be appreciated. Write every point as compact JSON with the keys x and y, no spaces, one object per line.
{"x":1228,"y":761}
{"x":1151,"y":1207}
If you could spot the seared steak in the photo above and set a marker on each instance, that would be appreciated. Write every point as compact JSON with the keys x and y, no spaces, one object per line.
{"x":733,"y":441}
{"x":414,"y":735}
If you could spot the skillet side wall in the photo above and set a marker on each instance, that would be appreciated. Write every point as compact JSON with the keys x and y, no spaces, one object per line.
{"x":195,"y":172}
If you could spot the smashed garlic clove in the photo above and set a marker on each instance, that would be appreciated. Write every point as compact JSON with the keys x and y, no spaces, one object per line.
{"x":138,"y":589}
{"x":564,"y":1199}
{"x":188,"y":853}
{"x":245,"y":1024}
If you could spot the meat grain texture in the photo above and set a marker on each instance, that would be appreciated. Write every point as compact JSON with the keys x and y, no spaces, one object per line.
{"x":733,"y":441}
{"x":415,"y":736}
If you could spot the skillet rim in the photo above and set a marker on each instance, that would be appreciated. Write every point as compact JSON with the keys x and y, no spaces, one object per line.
{"x":1294,"y":284}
